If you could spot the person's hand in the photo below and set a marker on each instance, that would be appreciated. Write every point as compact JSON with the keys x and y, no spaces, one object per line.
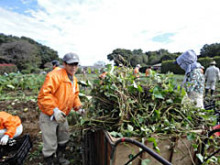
{"x":4,"y":140}
{"x":78,"y":107}
{"x":81,"y":111}
{"x":59,"y":116}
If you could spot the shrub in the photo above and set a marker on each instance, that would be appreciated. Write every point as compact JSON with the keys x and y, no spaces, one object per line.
{"x":169,"y":66}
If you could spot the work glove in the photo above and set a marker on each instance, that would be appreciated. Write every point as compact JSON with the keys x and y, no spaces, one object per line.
{"x":81,"y":111}
{"x":4,"y":140}
{"x":59,"y":116}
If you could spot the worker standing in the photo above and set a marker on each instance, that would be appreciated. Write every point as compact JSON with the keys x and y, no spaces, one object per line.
{"x":148,"y":71}
{"x":10,"y":127}
{"x":212,"y":75}
{"x":136,"y":70}
{"x":194,"y":79}
{"x":58,"y":95}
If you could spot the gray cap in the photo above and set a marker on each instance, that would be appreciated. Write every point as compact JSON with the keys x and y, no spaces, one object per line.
{"x":70,"y":58}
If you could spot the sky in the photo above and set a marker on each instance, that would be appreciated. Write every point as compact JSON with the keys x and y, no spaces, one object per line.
{"x":94,"y":28}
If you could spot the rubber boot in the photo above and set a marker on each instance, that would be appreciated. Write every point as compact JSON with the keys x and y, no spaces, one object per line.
{"x":60,"y":155}
{"x":212,"y":92}
{"x":206,"y":92}
{"x":49,"y":160}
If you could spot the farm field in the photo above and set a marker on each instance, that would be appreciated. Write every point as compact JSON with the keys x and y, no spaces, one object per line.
{"x":19,"y":97}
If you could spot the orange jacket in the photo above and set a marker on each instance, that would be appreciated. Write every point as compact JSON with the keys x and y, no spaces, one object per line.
{"x":56,"y":68}
{"x":148,"y":72}
{"x":9,"y":122}
{"x":58,"y":91}
{"x":136,"y":72}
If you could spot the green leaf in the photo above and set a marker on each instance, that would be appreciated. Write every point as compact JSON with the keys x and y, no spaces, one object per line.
{"x":130,"y":128}
{"x":169,"y":101}
{"x":200,"y":157}
{"x":157,"y":93}
{"x":115,"y":134}
{"x":11,"y":86}
{"x":191,"y":136}
{"x":145,"y":162}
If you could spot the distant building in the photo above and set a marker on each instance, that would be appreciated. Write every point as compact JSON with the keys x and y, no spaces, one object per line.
{"x":157,"y":67}
{"x":85,"y":68}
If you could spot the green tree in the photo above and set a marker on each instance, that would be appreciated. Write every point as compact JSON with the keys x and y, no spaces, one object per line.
{"x":21,"y":53}
{"x":136,"y":59}
{"x":11,"y":43}
{"x":211,"y":50}
{"x":137,"y":52}
{"x":120,"y":56}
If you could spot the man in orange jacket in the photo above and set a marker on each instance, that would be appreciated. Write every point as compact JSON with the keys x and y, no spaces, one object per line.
{"x":58,"y":95}
{"x":10,"y":127}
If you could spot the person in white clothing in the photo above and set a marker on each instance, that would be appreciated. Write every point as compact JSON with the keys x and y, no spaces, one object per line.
{"x":212,"y":75}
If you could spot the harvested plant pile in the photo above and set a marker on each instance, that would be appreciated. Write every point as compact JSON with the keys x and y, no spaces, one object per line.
{"x":129,"y":106}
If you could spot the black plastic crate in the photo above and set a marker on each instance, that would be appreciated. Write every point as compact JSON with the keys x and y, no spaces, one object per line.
{"x":15,"y":154}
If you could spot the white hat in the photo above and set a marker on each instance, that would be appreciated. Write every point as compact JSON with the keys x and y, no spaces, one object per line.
{"x":213,"y":63}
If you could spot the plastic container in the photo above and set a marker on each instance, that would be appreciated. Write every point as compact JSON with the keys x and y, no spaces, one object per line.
{"x":15,"y":154}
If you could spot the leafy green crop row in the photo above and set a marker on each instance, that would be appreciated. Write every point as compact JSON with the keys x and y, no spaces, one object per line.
{"x":18,"y":81}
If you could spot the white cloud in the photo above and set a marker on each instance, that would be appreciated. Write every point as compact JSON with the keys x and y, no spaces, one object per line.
{"x":94,"y":28}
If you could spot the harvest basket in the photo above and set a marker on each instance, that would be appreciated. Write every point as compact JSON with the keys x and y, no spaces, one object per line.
{"x":15,"y":154}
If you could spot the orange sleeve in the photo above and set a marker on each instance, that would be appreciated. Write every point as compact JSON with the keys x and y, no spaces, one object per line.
{"x":136,"y":70}
{"x":11,"y":125}
{"x":46,"y":99}
{"x":147,"y":72}
{"x":76,"y":101}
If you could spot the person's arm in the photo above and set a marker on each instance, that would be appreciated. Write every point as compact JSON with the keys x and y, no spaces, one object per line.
{"x":218,"y":74}
{"x":10,"y":127}
{"x":76,"y":103}
{"x":206,"y":74}
{"x":46,"y":99}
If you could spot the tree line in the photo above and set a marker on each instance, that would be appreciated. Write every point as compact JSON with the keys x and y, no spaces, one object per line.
{"x":149,"y":58}
{"x":30,"y":55}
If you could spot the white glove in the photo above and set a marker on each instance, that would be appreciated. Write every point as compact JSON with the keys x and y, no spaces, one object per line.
{"x":81,"y":111}
{"x":59,"y":116}
{"x":4,"y":140}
